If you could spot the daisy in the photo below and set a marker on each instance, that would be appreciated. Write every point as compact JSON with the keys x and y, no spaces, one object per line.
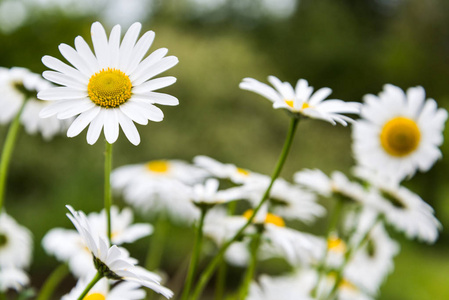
{"x":399,"y":132}
{"x":19,"y":87}
{"x":110,"y":261}
{"x":302,"y":100}
{"x":68,"y":246}
{"x":400,"y":207}
{"x":12,"y":278}
{"x":160,"y":186}
{"x":101,"y":290}
{"x":294,"y":286}
{"x":110,"y":88}
{"x":15,"y":243}
{"x":207,"y":194}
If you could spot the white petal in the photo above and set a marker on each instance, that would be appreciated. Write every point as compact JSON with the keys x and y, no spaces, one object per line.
{"x":61,"y":93}
{"x":319,"y":96}
{"x":81,"y":106}
{"x":82,"y":121}
{"x":86,"y":54}
{"x":132,"y":111}
{"x":161,"y":66}
{"x":114,"y":46}
{"x":111,"y":125}
{"x":57,"y":65}
{"x":95,"y":128}
{"x":129,"y":129}
{"x":129,"y":40}
{"x":100,"y":42}
{"x":63,"y":79}
{"x":154,"y":84}
{"x":139,"y":51}
{"x":150,"y":60}
{"x":73,"y":57}
{"x":157,"y":98}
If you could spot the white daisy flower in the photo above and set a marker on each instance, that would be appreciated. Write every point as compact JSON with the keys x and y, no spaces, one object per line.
{"x":121,"y":291}
{"x":302,"y":100}
{"x":110,"y":88}
{"x":15,"y":243}
{"x":12,"y":278}
{"x":370,"y":264}
{"x":401,"y":208}
{"x":399,"y":132}
{"x":18,"y":85}
{"x":68,"y":246}
{"x":335,"y":185}
{"x":111,"y":261}
{"x":209,"y":195}
{"x":295,"y":286}
{"x":296,"y":247}
{"x":160,"y":186}
{"x":225,"y":171}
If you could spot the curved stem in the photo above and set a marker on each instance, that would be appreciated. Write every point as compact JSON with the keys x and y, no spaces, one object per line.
{"x":107,"y":187}
{"x":91,"y":284}
{"x":53,"y":281}
{"x":195,"y":256}
{"x":207,"y":273}
{"x":8,"y":148}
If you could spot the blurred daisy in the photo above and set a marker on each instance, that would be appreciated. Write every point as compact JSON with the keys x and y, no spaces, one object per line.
{"x":160,"y":186}
{"x":302,"y":100}
{"x":121,"y":291}
{"x":337,"y":185}
{"x":68,"y":246}
{"x":399,"y":132}
{"x":277,"y":240}
{"x":15,"y":243}
{"x":401,"y":208}
{"x":12,"y":278}
{"x":371,"y":263}
{"x":19,"y":86}
{"x":110,"y":261}
{"x":207,"y":194}
{"x":110,"y":88}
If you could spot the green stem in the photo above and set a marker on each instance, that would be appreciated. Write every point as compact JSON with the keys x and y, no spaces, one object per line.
{"x":157,"y":241}
{"x":53,"y":281}
{"x":254,"y":248}
{"x":223,"y":268}
{"x":195,"y":256}
{"x":107,"y":187}
{"x":8,"y":148}
{"x":91,"y":284}
{"x":207,"y":273}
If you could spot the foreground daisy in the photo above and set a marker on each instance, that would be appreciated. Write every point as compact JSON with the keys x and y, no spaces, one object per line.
{"x":302,"y":100}
{"x":110,"y":261}
{"x":399,"y":132}
{"x":19,"y":87}
{"x":112,"y":87}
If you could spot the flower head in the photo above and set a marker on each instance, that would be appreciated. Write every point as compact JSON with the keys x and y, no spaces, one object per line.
{"x":12,"y":278}
{"x":18,"y":87}
{"x":111,"y":261}
{"x":302,"y":100}
{"x":15,"y":243}
{"x":399,"y":132}
{"x":111,"y":88}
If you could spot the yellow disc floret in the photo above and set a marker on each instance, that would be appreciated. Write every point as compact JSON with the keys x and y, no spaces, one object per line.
{"x":109,"y":88}
{"x":95,"y":296}
{"x":158,"y":166}
{"x":291,"y":104}
{"x":269,"y":219}
{"x":336,"y":244}
{"x":243,"y":172}
{"x":400,"y":136}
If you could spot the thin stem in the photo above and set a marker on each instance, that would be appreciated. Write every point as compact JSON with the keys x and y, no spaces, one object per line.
{"x":207,"y":273}
{"x":195,"y":256}
{"x":157,"y":241}
{"x":53,"y":281}
{"x":107,"y":187}
{"x":254,"y":248}
{"x":8,"y":148}
{"x":91,"y":284}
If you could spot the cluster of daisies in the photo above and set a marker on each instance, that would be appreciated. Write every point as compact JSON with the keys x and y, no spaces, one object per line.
{"x":246,"y":217}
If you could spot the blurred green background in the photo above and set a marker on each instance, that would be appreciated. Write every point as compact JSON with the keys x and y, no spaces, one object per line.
{"x":351,"y":46}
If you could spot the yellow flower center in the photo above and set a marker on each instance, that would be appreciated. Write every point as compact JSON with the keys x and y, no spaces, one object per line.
{"x":304,"y":105}
{"x":158,"y":166}
{"x":269,"y":219}
{"x":400,"y":136}
{"x":95,"y":296}
{"x":335,"y":244}
{"x":243,"y":172}
{"x":109,"y":88}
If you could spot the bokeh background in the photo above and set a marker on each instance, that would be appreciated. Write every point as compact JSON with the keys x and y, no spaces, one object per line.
{"x":351,"y":46}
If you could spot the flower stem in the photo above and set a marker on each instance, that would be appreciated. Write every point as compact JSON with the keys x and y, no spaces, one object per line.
{"x":254,"y":248}
{"x":207,"y":273}
{"x":91,"y":284}
{"x":107,"y":187}
{"x":157,"y":241}
{"x":8,"y":148}
{"x":195,"y":256}
{"x":53,"y":281}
